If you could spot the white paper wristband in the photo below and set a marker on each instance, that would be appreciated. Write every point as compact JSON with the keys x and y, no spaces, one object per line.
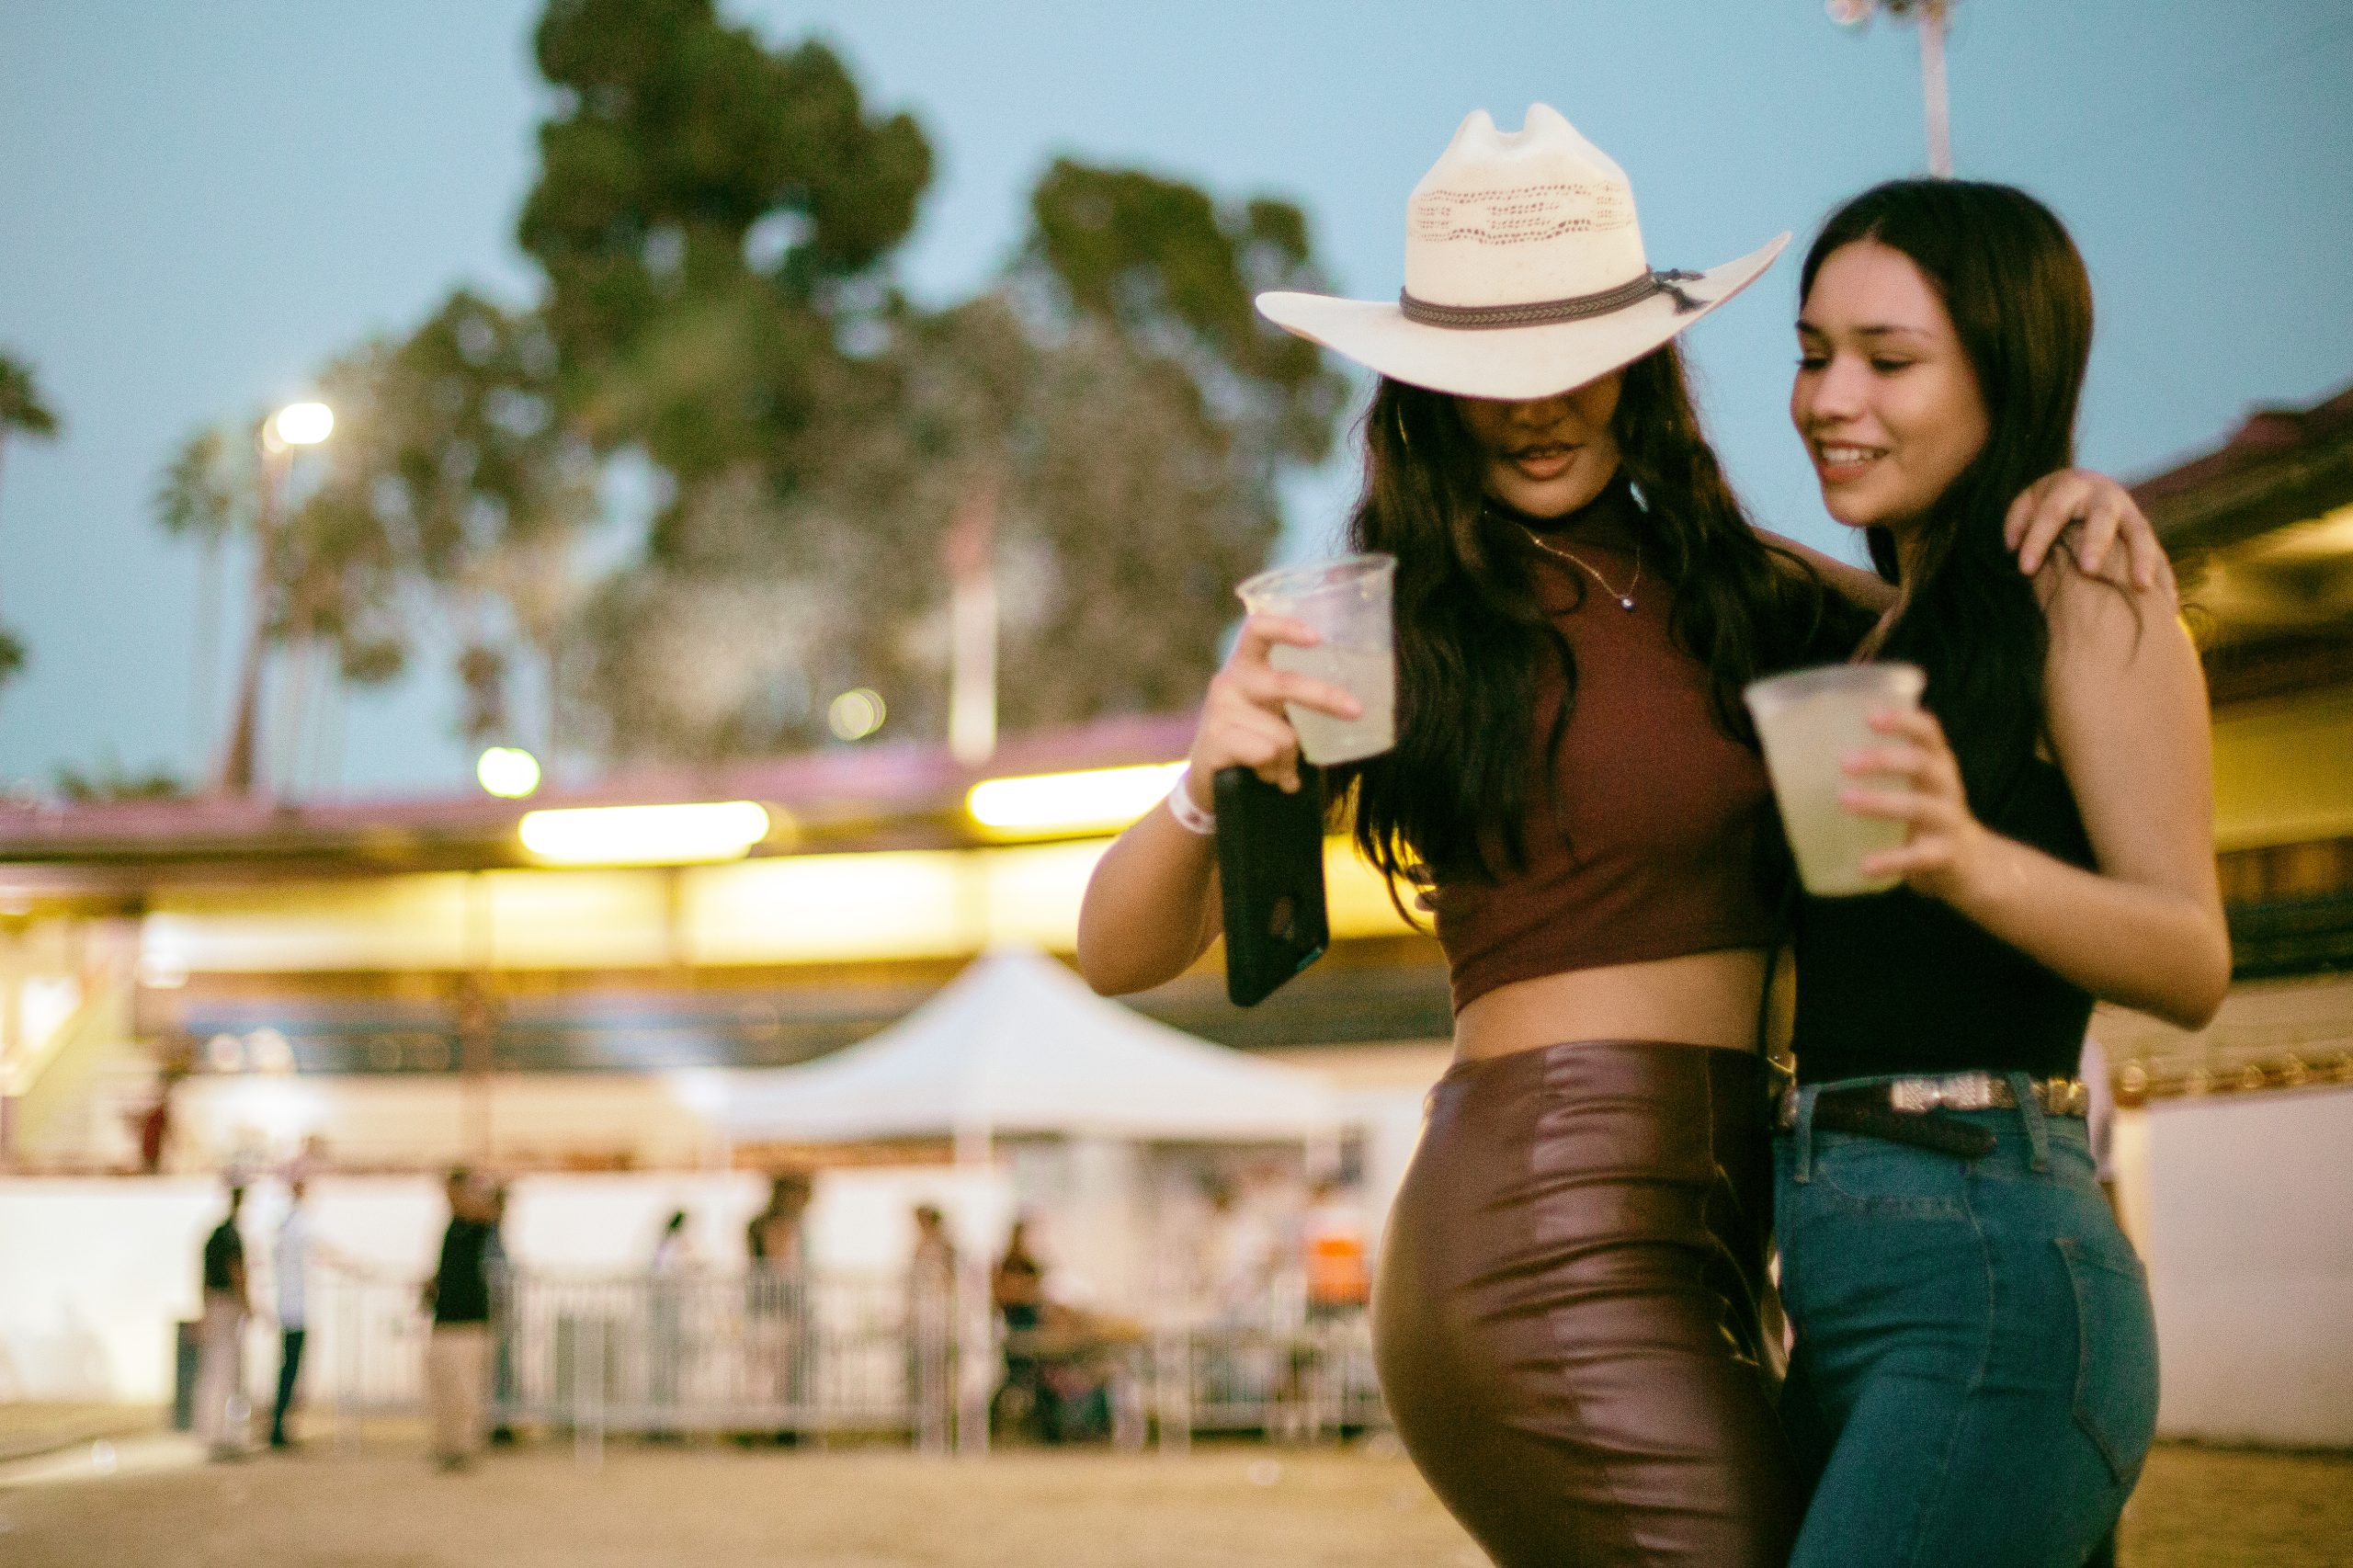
{"x":1189,"y":817}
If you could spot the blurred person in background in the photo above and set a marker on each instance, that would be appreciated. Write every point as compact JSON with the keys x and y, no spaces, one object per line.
{"x":666,"y":1287}
{"x":1333,"y":1254}
{"x":500,"y":1271}
{"x":931,"y":1327}
{"x":291,"y":1261}
{"x":774,"y":1239}
{"x":1018,"y":1285}
{"x":221,"y":1408}
{"x":294,"y":1252}
{"x":309,"y":1159}
{"x":457,"y":1355}
{"x":1240,"y":1258}
{"x":1232,"y":1262}
{"x":154,"y":1125}
{"x":1337,"y":1287}
{"x":1018,"y":1292}
{"x":776,"y":1294}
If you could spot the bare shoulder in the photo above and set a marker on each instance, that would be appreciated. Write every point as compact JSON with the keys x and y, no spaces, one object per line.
{"x":2100,"y":623}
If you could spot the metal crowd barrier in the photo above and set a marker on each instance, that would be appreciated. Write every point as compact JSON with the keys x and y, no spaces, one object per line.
{"x":1301,"y":1383}
{"x":835,"y":1354}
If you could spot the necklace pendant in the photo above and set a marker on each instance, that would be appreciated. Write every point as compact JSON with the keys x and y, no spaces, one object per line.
{"x":1625,"y":601}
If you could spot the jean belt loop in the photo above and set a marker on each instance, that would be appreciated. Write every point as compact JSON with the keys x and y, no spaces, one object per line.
{"x":2038,"y":1131}
{"x":1801,"y":1135}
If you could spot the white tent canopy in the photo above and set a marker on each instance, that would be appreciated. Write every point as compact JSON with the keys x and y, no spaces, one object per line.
{"x":1017,"y":1045}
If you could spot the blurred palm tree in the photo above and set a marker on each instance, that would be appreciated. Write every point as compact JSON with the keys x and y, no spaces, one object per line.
{"x":22,"y":412}
{"x":202,"y":496}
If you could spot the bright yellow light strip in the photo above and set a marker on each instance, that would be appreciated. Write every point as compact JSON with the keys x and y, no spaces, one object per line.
{"x":1091,"y":802}
{"x":646,"y":836}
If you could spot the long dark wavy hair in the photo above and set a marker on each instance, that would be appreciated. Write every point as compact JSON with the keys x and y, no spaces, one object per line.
{"x":2020,"y":303}
{"x":1474,"y":640}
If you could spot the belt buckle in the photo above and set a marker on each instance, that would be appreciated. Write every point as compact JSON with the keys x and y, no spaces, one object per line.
{"x":1915,"y":1095}
{"x":1974,"y":1091}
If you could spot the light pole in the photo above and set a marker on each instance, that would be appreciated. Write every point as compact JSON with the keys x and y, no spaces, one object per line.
{"x":1930,"y":14}
{"x":297,"y":425}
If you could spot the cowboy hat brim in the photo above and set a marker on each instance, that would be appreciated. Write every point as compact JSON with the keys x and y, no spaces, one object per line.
{"x":1513,"y":363}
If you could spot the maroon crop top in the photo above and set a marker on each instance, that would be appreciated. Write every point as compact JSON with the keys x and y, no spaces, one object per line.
{"x":1654,"y":837}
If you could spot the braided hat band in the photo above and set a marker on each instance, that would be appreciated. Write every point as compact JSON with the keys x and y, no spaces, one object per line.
{"x":1579,"y":307}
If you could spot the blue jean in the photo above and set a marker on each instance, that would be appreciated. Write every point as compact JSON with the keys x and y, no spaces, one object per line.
{"x":1975,"y":1375}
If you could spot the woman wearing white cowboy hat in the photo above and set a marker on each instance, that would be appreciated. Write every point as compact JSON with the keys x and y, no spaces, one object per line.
{"x":1568,"y":1311}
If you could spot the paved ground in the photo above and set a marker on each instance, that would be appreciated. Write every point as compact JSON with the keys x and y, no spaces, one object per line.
{"x":715,"y":1507}
{"x":29,"y":1428}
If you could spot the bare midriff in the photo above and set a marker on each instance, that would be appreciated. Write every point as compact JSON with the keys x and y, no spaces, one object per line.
{"x":1704,"y":999}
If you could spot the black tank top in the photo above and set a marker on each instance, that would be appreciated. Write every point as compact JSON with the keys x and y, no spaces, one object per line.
{"x":1900,"y":983}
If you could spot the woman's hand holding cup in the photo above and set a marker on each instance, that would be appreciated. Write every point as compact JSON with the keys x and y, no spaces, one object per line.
{"x":1242,"y":724}
{"x":1920,"y":787}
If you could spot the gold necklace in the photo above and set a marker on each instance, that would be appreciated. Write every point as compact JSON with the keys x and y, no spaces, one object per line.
{"x":1625,"y":600}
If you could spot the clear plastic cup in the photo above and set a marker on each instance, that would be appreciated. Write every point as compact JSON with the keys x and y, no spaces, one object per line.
{"x":1347,"y":602}
{"x":1810,"y":721}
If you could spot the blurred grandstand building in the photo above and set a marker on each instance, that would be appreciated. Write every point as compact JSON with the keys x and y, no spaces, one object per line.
{"x":409,"y":982}
{"x":2261,"y":532}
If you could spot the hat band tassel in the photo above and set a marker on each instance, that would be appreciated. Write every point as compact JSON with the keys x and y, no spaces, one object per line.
{"x":1545,"y":312}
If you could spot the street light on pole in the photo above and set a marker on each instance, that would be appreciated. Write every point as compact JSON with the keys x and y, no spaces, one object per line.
{"x":293,"y":426}
{"x":1930,"y":15}
{"x":299,"y":424}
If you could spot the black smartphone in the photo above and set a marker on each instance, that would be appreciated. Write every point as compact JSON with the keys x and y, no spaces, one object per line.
{"x":1271,"y":875}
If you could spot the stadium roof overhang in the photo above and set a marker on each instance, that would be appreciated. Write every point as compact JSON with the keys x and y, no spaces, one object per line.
{"x":2261,"y":531}
{"x":846,"y":800}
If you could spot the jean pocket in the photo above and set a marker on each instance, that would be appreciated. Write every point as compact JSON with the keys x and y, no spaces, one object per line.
{"x":1892,"y":1180}
{"x":2116,"y":1352}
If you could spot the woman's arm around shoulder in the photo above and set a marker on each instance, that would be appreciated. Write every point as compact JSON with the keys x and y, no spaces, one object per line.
{"x":2090,"y":511}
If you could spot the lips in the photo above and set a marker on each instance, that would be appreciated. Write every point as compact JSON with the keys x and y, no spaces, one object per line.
{"x":1842,"y":462}
{"x":1546,"y":461}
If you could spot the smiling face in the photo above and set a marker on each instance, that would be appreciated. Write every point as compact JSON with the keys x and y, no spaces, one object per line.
{"x":1549,"y":456}
{"x":1885,"y":398}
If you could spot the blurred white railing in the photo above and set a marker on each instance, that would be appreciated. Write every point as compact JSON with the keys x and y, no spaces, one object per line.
{"x":836,"y":1355}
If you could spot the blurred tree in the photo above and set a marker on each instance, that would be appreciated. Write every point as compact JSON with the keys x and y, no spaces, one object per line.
{"x":705,"y":209}
{"x":1165,"y":413}
{"x":716,"y":223}
{"x":715,"y":220}
{"x":204,"y":495}
{"x":452,"y":491}
{"x":22,"y":412}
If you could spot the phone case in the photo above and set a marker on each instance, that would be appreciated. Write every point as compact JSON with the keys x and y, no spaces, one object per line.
{"x":1271,"y":873}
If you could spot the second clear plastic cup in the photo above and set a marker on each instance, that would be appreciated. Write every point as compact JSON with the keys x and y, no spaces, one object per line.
{"x":1810,"y":721}
{"x":1347,"y":603}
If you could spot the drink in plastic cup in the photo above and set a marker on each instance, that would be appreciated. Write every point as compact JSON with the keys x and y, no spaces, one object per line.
{"x":1347,"y":603}
{"x":1810,"y":721}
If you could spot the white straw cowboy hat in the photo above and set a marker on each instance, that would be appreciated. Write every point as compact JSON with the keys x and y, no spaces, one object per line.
{"x":1525,"y":274}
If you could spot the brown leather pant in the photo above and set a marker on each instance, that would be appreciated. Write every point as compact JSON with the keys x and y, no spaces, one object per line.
{"x":1568,"y":1311}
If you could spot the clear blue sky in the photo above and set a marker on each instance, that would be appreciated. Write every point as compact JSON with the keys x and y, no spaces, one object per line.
{"x":201,"y":200}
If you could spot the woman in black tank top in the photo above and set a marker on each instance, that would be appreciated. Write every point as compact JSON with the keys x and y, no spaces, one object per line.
{"x":1974,"y":1378}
